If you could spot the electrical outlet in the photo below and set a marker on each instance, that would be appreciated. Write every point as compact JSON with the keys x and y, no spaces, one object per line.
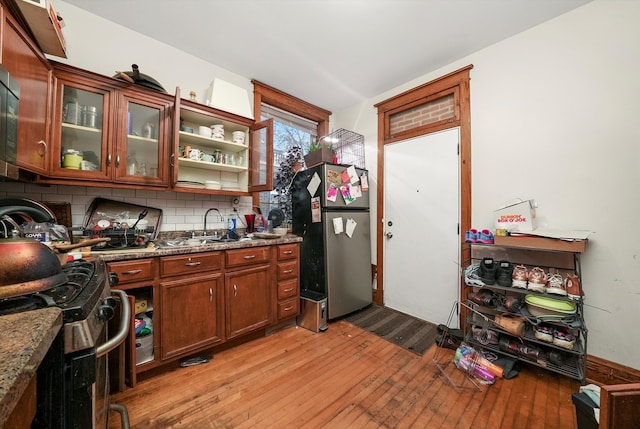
{"x":235,"y":202}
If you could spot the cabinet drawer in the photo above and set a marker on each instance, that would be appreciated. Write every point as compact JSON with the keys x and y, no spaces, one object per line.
{"x":288,"y":270}
{"x":287,"y":289}
{"x":253,"y":255}
{"x":288,"y":308}
{"x":192,"y":263}
{"x":133,"y":271}
{"x":288,"y":251}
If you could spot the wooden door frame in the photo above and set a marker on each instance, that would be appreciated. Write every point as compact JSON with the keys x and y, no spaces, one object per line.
{"x":456,"y":83}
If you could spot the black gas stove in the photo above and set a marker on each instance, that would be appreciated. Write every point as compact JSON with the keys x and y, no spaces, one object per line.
{"x":73,"y":385}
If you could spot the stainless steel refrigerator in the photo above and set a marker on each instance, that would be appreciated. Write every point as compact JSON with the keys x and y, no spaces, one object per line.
{"x":331,"y":214}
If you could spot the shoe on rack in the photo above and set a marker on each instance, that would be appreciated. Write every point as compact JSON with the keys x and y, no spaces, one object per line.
{"x":543,"y":332}
{"x":519,"y":277}
{"x":555,"y":284}
{"x":485,"y":336}
{"x":471,"y":236}
{"x":504,"y":273}
{"x":484,"y":297}
{"x":512,"y":304}
{"x":537,"y":280}
{"x":453,"y":332}
{"x":447,"y":341}
{"x":572,"y":287}
{"x":471,"y":276}
{"x":488,"y":270}
{"x":485,"y":237}
{"x":562,"y":337}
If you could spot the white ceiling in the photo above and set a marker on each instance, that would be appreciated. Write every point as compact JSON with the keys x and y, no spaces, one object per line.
{"x":332,"y":53}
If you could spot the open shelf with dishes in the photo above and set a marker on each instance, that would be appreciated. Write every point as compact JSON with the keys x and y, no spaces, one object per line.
{"x":539,"y":320}
{"x":213,"y":159}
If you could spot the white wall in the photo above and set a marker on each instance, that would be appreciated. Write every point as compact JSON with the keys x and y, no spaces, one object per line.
{"x":554,"y":117}
{"x":101,"y":46}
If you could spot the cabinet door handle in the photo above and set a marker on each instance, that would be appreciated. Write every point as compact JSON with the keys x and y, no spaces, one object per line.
{"x":42,"y":144}
{"x":117,"y":161}
{"x":235,"y":290}
{"x":288,"y":252}
{"x":250,"y":257}
{"x":288,"y":290}
{"x":288,"y":308}
{"x":287,"y":271}
{"x":210,"y":294}
{"x":192,"y":264}
{"x":132,"y":272}
{"x":171,"y":159}
{"x":108,"y":159}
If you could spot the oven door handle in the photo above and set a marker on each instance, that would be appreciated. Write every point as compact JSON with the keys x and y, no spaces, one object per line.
{"x":123,"y":331}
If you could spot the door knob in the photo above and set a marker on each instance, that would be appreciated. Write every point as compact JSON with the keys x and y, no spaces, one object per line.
{"x":389,"y":234}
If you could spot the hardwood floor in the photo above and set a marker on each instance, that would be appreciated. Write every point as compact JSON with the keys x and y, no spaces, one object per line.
{"x":342,"y":378}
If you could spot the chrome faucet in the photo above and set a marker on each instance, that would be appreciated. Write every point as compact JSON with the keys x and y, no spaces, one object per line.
{"x":205,"y":218}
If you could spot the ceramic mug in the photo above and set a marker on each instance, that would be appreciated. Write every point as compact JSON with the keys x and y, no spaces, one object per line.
{"x":217,"y":131}
{"x":194,"y":154}
{"x":206,"y":157}
{"x":204,"y":131}
{"x":238,"y":137}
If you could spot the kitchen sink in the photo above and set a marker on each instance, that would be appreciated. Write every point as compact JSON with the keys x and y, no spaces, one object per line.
{"x":196,"y":241}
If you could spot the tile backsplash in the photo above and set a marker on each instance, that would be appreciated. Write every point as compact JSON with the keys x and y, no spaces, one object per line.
{"x":180,"y":211}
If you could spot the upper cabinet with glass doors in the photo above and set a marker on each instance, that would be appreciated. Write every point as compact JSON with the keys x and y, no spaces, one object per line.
{"x":105,"y":131}
{"x":213,"y":149}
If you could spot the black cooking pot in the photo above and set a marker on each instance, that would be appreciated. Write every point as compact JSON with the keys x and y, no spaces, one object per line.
{"x":138,"y":78}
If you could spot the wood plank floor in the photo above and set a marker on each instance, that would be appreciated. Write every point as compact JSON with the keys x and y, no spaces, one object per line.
{"x":342,"y":378}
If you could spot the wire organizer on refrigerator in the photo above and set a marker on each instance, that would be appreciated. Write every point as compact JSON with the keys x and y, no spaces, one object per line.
{"x":348,"y":146}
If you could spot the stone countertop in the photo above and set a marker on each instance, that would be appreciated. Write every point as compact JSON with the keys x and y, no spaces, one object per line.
{"x":151,"y":251}
{"x":25,"y":339}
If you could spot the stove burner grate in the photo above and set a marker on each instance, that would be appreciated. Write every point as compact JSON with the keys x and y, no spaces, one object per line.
{"x":17,"y":304}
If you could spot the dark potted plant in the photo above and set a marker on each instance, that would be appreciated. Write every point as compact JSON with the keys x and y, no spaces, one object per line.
{"x":319,"y":152}
{"x":289,"y":166}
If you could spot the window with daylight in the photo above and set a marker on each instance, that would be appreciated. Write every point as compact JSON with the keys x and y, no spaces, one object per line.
{"x":295,"y":125}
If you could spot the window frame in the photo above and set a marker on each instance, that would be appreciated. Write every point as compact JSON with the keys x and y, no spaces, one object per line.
{"x":266,"y":94}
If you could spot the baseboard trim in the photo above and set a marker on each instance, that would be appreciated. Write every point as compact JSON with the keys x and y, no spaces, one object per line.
{"x":601,"y":372}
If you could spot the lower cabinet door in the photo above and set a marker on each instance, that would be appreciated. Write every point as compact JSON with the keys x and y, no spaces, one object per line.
{"x":248,"y":296}
{"x":191,"y":316}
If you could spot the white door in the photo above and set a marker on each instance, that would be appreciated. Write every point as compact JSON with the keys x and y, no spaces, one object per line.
{"x":421,"y":206}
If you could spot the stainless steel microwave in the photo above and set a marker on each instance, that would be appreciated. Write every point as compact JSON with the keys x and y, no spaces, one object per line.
{"x":9,"y":97}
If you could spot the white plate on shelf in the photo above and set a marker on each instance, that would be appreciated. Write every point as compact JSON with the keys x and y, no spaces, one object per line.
{"x":194,"y":185}
{"x":212,"y":184}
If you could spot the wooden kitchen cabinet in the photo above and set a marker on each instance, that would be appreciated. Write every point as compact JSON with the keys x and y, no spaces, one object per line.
{"x":137,"y":278}
{"x":192,"y":303}
{"x":248,"y":290}
{"x":229,"y":166}
{"x":248,"y":300}
{"x":107,"y":132}
{"x":32,"y":71}
{"x":288,"y":275}
{"x":192,"y":313}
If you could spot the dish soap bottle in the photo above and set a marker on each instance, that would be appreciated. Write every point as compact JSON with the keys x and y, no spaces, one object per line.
{"x":231,"y":223}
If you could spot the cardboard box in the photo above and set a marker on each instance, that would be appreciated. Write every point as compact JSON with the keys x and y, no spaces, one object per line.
{"x":516,"y":216}
{"x":43,"y":22}
{"x":141,"y":305}
{"x":542,"y":243}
